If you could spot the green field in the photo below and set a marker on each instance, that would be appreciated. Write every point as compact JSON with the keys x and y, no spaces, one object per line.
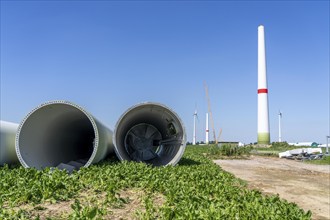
{"x":277,"y":147}
{"x":194,"y":189}
{"x":324,"y":161}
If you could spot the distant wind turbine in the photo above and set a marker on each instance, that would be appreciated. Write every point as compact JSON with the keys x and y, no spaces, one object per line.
{"x":207,"y":129}
{"x":194,"y":135}
{"x":279,"y":126}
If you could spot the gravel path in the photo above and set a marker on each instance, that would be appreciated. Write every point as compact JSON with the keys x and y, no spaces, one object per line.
{"x":307,"y":185}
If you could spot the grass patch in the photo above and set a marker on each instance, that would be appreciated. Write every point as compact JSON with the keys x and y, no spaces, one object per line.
{"x":324,"y":161}
{"x":226,"y":151}
{"x":277,"y":147}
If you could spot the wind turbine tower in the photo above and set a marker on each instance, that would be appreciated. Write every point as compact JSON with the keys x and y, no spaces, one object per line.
{"x":279,"y":127}
{"x":207,"y":129}
{"x":263,"y":115}
{"x":194,"y":135}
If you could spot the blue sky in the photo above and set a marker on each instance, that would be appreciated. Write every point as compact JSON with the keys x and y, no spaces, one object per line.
{"x":108,"y":55}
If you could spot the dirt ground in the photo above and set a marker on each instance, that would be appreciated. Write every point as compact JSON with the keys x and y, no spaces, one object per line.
{"x":307,"y":185}
{"x":127,"y":211}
